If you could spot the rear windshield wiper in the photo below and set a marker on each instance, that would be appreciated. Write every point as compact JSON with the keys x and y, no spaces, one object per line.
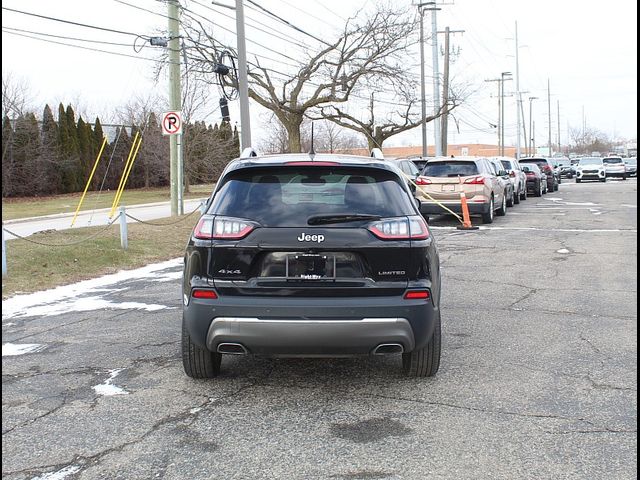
{"x":324,"y":219}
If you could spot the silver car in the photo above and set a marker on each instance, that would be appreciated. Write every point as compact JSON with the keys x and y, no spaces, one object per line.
{"x":632,"y":166}
{"x":517,"y":177}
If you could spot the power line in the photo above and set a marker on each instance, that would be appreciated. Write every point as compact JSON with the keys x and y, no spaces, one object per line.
{"x":286,"y":22}
{"x":72,"y":23}
{"x":86,"y":48}
{"x":308,"y":14}
{"x":64,"y":37}
{"x":144,"y":9}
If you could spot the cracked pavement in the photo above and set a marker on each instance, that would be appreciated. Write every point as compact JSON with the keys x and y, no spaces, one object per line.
{"x":538,"y":376}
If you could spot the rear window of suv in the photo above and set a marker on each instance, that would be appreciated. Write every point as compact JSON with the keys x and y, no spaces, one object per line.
{"x":288,"y":196}
{"x":541,"y":163}
{"x":612,"y":160}
{"x":450,"y":169}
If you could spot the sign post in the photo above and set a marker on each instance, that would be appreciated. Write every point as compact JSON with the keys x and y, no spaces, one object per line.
{"x":172,"y":125}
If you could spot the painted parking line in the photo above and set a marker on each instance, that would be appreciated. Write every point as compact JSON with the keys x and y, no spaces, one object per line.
{"x":536,"y":229}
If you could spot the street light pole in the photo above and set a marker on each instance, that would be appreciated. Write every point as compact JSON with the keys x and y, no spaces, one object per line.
{"x":531,"y":140}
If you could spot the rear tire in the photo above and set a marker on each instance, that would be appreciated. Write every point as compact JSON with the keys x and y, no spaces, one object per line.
{"x":198,"y":362}
{"x":603,"y":179}
{"x":578,"y":180}
{"x":488,"y":217}
{"x":523,"y":194}
{"x":502,"y":211}
{"x":426,"y":361}
{"x":512,"y":200}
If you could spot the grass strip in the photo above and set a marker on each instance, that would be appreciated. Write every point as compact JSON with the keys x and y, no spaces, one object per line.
{"x":32,"y":267}
{"x":25,"y":207}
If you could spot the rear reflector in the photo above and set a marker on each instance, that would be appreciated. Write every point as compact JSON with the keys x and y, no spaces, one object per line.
{"x":417,"y":295}
{"x":423,"y":181}
{"x":204,"y":294}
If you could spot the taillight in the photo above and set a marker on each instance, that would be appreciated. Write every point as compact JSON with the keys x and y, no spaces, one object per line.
{"x":512,"y":174}
{"x":474,"y":181}
{"x":546,"y":168}
{"x":408,"y":228}
{"x":210,"y":294}
{"x":423,"y":181}
{"x":417,"y":295}
{"x":204,"y":228}
{"x":224,"y":228}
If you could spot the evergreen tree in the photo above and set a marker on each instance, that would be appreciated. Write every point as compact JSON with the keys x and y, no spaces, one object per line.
{"x":7,"y":157}
{"x":97,"y":139}
{"x":26,"y":146}
{"x":49,"y":154}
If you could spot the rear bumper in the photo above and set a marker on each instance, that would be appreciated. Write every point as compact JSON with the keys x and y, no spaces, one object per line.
{"x":616,"y":174}
{"x":435,"y":209}
{"x":308,"y":327}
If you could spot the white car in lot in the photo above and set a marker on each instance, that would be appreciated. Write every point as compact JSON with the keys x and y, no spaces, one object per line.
{"x":615,"y":167}
{"x":591,"y":168}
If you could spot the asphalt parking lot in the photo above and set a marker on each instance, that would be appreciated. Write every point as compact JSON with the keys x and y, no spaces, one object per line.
{"x":537,"y":380}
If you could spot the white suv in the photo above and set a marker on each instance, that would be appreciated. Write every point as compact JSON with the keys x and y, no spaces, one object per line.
{"x":615,"y":167}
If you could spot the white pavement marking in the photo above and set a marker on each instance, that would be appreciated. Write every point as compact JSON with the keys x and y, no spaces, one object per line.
{"x":570,"y":230}
{"x":107,"y":388}
{"x":627,"y":205}
{"x":14,"y":349}
{"x":563,"y":250}
{"x":60,"y":474}
{"x":85,"y":295}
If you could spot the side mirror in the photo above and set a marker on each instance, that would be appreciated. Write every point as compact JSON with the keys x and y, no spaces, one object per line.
{"x":503,"y":173}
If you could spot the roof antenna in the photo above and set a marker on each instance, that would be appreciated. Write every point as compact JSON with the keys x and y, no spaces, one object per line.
{"x":312,"y":152}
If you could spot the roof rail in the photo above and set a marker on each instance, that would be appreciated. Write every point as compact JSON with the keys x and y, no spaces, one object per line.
{"x":248,"y":152}
{"x":377,"y":153}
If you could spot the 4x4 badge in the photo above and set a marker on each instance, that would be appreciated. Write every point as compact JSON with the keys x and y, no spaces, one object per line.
{"x":310,"y":238}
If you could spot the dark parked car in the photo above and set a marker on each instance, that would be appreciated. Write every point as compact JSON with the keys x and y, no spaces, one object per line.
{"x":545,"y":165}
{"x":564,"y":167}
{"x":311,"y":256}
{"x":536,"y":180}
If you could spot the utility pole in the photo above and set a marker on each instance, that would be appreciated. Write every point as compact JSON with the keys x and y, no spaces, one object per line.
{"x":531,"y":140}
{"x":518,"y":100}
{"x":243,"y":80}
{"x":549,"y":108}
{"x":422,"y":84}
{"x":502,"y":79}
{"x":175,"y":103}
{"x":499,"y":82}
{"x":524,"y":128}
{"x":436,"y":79}
{"x":445,"y":89}
{"x":559,"y":148}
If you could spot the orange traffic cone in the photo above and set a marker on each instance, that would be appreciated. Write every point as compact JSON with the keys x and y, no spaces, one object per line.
{"x":466,"y":218}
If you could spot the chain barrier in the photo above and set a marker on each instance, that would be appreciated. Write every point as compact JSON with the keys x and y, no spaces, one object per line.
{"x":153,"y":224}
{"x":433,"y":199}
{"x":27,"y":239}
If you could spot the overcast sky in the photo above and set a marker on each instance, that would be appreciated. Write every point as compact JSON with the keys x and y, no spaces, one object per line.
{"x":587,"y":50}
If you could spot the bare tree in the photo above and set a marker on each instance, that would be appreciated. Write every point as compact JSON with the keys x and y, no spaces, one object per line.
{"x":17,"y":96}
{"x":369,"y":47}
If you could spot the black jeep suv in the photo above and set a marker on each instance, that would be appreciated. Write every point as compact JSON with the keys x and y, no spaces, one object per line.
{"x":311,"y":256}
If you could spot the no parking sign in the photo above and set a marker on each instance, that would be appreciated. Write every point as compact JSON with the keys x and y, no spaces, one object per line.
{"x":172,"y":123}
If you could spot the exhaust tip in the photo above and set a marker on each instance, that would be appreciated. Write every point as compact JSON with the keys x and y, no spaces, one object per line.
{"x":388,"y":349}
{"x":232,"y":349}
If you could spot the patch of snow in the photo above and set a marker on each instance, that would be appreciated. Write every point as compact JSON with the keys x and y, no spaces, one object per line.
{"x":13,"y":349}
{"x":195,"y":410}
{"x":107,"y":388}
{"x":627,"y":205}
{"x":10,"y":324}
{"x":60,"y":474}
{"x":563,"y":250}
{"x":167,"y":277}
{"x":71,"y":295}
